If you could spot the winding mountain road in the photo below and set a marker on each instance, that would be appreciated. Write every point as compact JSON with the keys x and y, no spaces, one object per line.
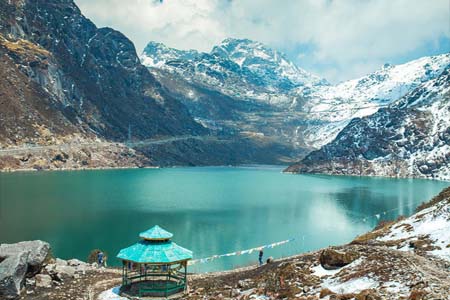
{"x":102,"y":144}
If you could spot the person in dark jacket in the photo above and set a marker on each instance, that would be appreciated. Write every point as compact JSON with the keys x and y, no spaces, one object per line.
{"x":100,"y":258}
{"x":261,"y":253}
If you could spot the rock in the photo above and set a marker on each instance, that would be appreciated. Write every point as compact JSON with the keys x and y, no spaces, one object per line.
{"x":417,"y":295}
{"x":325,"y":292}
{"x":64,"y":272}
{"x":269,"y":260}
{"x":61,"y":269}
{"x":76,"y":262}
{"x":242,"y":284}
{"x":61,"y":262}
{"x":43,"y":280}
{"x":12,"y":274}
{"x":331,"y":259}
{"x":341,"y":296}
{"x":368,"y":295}
{"x":37,"y":252}
{"x":50,"y":269}
{"x":234,"y":293}
{"x":418,"y":244}
{"x":80,"y":266}
{"x":30,"y":281}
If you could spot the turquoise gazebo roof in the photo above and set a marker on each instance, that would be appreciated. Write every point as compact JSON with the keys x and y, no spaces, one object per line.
{"x":156,"y":233}
{"x":151,"y":252}
{"x":156,"y":247}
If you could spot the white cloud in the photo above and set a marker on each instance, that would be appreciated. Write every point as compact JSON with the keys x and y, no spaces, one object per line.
{"x":348,"y":37}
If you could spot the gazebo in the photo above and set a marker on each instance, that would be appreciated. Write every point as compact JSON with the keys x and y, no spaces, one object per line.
{"x":155,"y":266}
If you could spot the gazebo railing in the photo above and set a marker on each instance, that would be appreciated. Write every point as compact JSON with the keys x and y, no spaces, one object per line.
{"x":150,"y":285}
{"x":150,"y":276}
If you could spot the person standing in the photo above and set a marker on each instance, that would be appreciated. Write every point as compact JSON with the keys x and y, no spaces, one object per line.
{"x":100,"y":258}
{"x":260,"y":257}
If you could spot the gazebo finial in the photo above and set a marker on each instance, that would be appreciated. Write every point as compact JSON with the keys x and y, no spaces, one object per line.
{"x":156,"y":233}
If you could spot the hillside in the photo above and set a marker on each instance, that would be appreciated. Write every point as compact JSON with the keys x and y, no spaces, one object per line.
{"x":409,"y":138}
{"x":65,"y":80}
{"x":364,"y":96}
{"x":91,"y":76}
{"x":76,"y":96}
{"x":246,"y":87}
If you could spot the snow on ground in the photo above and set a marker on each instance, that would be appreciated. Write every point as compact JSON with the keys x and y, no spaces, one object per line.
{"x":433,"y":222}
{"x":352,"y":286}
{"x":331,"y":279}
{"x":321,"y":272}
{"x":111,"y":294}
{"x":396,"y":287}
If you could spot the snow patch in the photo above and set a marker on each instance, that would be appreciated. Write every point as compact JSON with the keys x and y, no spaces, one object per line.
{"x":111,"y":294}
{"x":433,"y":222}
{"x":352,"y":286}
{"x":319,"y":271}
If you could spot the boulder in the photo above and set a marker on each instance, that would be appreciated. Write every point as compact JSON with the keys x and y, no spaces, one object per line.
{"x":64,"y":272}
{"x":12,"y":274}
{"x":61,"y":262}
{"x":332,"y":259}
{"x":325,"y":292}
{"x":37,"y":252}
{"x":18,"y":260}
{"x":43,"y":280}
{"x":76,"y":262}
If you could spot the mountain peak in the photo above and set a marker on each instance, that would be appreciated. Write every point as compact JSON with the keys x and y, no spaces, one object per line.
{"x":234,"y":44}
{"x":156,"y":54}
{"x":241,"y":59}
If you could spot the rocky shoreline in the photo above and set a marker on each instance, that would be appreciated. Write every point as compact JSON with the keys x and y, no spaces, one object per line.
{"x":104,"y":155}
{"x":405,"y":259}
{"x":291,"y":171}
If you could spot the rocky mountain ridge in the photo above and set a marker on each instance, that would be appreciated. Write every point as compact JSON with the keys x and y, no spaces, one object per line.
{"x":298,"y":108}
{"x":239,"y":68}
{"x":93,"y":75}
{"x":67,"y":83}
{"x":409,"y":138}
{"x":364,"y":96}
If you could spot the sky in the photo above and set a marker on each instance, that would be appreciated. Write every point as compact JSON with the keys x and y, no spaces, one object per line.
{"x":334,"y":39}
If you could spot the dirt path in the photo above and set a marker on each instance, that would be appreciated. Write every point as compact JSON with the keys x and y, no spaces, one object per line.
{"x":99,"y":144}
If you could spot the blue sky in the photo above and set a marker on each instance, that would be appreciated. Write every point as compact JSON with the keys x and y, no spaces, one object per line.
{"x":337,"y":40}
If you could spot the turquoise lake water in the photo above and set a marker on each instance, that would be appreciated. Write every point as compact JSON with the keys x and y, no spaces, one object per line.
{"x":210,"y":210}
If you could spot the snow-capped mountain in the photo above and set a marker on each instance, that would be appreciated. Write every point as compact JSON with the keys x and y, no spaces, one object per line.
{"x":356,"y":98}
{"x":409,"y":138}
{"x":281,"y":99}
{"x":239,"y":68}
{"x":268,"y":63}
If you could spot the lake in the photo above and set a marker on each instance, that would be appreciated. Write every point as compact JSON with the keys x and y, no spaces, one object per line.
{"x":210,"y":210}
